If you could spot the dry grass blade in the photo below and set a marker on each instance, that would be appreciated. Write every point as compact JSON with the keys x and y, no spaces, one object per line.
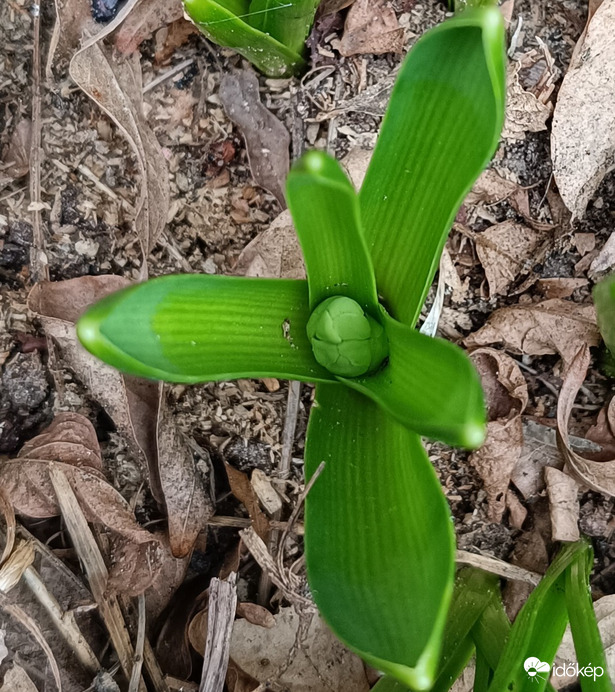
{"x":139,"y":647}
{"x":96,"y":571}
{"x":23,"y":618}
{"x":499,"y":567}
{"x":221,"y":614}
{"x":11,"y":525}
{"x":563,"y":505}
{"x":17,"y":563}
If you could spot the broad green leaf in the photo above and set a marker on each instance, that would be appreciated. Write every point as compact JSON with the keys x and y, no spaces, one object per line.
{"x":221,"y":24}
{"x":441,"y":128}
{"x":388,"y":684}
{"x":429,"y":385}
{"x":199,"y":328}
{"x":288,"y":21}
{"x":491,"y":631}
{"x":325,"y":211}
{"x":379,"y":538}
{"x":538,"y":629}
{"x":583,"y":625}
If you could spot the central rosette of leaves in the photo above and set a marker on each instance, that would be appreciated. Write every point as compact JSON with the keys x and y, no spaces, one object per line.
{"x":345,"y":339}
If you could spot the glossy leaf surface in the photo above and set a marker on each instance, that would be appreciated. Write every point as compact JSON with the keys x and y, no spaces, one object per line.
{"x":379,"y":537}
{"x":429,"y":385}
{"x":440,"y":130}
{"x":288,"y":21}
{"x":221,"y":24}
{"x":199,"y":328}
{"x":325,"y":211}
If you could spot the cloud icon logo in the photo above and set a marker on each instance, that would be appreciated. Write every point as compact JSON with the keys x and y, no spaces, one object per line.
{"x":534,"y":667}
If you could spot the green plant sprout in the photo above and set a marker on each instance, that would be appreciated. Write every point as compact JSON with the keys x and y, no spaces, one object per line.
{"x":519,"y":657}
{"x":379,"y":539}
{"x":269,"y":33}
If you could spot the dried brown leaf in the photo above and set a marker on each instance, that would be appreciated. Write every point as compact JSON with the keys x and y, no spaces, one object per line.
{"x":598,"y":475}
{"x":197,"y":632}
{"x":186,"y":496}
{"x":559,"y":287}
{"x":268,"y":497}
{"x":28,"y":484}
{"x":130,"y":402}
{"x":535,"y":329}
{"x":146,"y":17}
{"x":16,"y":162}
{"x":504,"y":251}
{"x":17,"y":680}
{"x":267,"y":140}
{"x":243,"y":491}
{"x":317,"y":659}
{"x":524,"y":112}
{"x":114,"y":83}
{"x":563,"y":505}
{"x":507,"y":396}
{"x":255,"y":614}
{"x":491,"y":188}
{"x":274,"y":253}
{"x":583,"y":154}
{"x":371,"y":27}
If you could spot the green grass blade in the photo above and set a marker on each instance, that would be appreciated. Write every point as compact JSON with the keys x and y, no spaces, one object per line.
{"x":429,"y":385}
{"x":379,"y":537}
{"x":220,"y":24}
{"x":538,"y":629}
{"x":583,"y":625}
{"x":288,"y":21}
{"x":491,"y":631}
{"x":325,"y":210}
{"x":198,"y":328}
{"x":388,"y":684}
{"x":440,"y":130}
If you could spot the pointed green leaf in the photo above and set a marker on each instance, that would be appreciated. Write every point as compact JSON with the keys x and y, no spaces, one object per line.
{"x":538,"y":629}
{"x":221,"y":24}
{"x":288,"y":21}
{"x":198,"y":328}
{"x":440,"y":130}
{"x":379,"y":537}
{"x":583,"y":624}
{"x":429,"y":385}
{"x":325,"y":210}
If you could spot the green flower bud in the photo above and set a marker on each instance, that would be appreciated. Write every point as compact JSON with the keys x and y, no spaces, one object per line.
{"x":344,"y":339}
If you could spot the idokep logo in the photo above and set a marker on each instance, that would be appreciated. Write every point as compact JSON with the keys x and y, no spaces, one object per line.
{"x":535,"y":668}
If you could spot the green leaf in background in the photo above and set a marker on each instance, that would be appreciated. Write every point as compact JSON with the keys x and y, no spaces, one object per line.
{"x":325,"y":211}
{"x":200,"y":328}
{"x":440,"y":130}
{"x":429,"y":385}
{"x":538,"y":628}
{"x":583,"y":625}
{"x":288,"y":21}
{"x":379,"y":537}
{"x":225,"y":23}
{"x":604,"y":299}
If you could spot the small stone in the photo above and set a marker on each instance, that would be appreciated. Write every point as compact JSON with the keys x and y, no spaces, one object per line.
{"x":24,"y":382}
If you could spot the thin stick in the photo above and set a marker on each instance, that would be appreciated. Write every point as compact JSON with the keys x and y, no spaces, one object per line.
{"x":38,"y":265}
{"x":220,"y":617}
{"x":92,"y":560}
{"x":138,"y":657}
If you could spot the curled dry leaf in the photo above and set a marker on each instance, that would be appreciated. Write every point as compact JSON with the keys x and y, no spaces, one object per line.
{"x":17,"y":680}
{"x":563,"y":505}
{"x":70,"y":444}
{"x":131,"y":403}
{"x":267,"y":140}
{"x":371,"y":27}
{"x":185,"y":494}
{"x":114,"y":83}
{"x":146,"y":17}
{"x":505,"y":251}
{"x":317,"y":659}
{"x":491,"y":188}
{"x":598,"y":475}
{"x":255,"y":614}
{"x":583,"y":154}
{"x":506,"y":396}
{"x":536,"y":329}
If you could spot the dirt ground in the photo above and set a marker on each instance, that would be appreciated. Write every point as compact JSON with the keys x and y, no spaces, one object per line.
{"x":71,"y":213}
